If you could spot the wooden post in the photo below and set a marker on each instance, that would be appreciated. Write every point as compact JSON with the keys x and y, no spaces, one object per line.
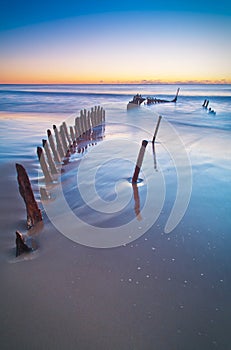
{"x":85,"y":120}
{"x":157,"y":127}
{"x":82,"y":128}
{"x":51,"y":163}
{"x":52,"y":144}
{"x":88,"y":121}
{"x":72,"y":134}
{"x":96,"y":116}
{"x":77,"y":127}
{"x":44,"y":194}
{"x":103,"y":115}
{"x":67,"y":134}
{"x":63,"y":139}
{"x":43,"y":164}
{"x":58,"y":142}
{"x":92,"y":115}
{"x":33,"y":212}
{"x":139,"y":161}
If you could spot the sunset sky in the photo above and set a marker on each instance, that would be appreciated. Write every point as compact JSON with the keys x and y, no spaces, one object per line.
{"x":125,"y":41}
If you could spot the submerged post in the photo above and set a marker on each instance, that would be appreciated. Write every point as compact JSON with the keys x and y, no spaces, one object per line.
{"x":21,"y":246}
{"x":139,"y":161}
{"x":157,"y":127}
{"x":33,"y":212}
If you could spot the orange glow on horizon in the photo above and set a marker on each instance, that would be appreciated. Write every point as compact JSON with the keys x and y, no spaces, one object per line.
{"x":120,"y":80}
{"x":33,"y":72}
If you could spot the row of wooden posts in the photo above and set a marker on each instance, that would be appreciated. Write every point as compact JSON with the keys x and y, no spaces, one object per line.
{"x":59,"y":148}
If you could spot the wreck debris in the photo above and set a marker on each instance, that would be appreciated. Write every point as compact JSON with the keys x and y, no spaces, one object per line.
{"x":21,"y":246}
{"x":33,"y":212}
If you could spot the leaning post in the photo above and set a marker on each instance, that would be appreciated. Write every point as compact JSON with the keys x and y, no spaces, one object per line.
{"x":157,"y":128}
{"x":139,"y":161}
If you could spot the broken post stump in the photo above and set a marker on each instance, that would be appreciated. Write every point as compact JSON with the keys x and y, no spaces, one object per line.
{"x":139,"y":161}
{"x":21,"y":246}
{"x":44,"y":194}
{"x":33,"y":212}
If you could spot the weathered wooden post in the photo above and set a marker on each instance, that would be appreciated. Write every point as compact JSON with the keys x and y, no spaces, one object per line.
{"x":139,"y":161}
{"x":82,"y":128}
{"x":63,"y":139}
{"x":85,"y":120}
{"x":72,"y":134}
{"x":58,"y":142}
{"x":44,"y":165}
{"x":96,"y":116}
{"x":103,"y":115}
{"x":33,"y":212}
{"x":77,"y":127}
{"x":67,"y":134}
{"x":157,"y":127}
{"x":53,"y":147}
{"x":92,"y":116}
{"x":51,"y":163}
{"x":88,"y":121}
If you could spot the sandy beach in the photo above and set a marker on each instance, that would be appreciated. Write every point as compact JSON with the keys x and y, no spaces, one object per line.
{"x":158,"y":291}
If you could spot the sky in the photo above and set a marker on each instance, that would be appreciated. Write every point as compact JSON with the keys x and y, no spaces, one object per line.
{"x":115,"y":42}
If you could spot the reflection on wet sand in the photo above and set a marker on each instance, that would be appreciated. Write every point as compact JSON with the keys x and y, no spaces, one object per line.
{"x":137,"y":201}
{"x":154,"y":156}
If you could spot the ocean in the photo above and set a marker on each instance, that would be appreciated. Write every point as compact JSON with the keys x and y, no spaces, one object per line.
{"x":119,"y":266}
